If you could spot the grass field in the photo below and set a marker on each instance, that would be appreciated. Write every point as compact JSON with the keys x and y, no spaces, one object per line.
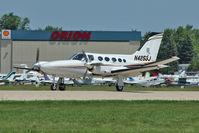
{"x":99,"y":116}
{"x":104,"y":88}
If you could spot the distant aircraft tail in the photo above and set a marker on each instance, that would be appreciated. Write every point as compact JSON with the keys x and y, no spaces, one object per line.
{"x":154,"y":74}
{"x":149,"y":51}
{"x":46,"y":77}
{"x":9,"y":74}
{"x":131,"y":79}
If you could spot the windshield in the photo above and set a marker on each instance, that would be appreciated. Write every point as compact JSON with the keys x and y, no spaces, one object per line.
{"x":70,"y":58}
{"x":79,"y":56}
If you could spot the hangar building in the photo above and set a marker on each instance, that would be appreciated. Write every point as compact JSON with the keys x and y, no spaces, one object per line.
{"x":20,"y":46}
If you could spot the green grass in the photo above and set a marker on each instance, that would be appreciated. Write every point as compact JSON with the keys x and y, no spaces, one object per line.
{"x":99,"y":116}
{"x":103,"y":88}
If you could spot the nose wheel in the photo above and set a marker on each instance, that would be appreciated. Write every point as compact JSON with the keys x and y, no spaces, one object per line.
{"x":60,"y":83}
{"x":53,"y":87}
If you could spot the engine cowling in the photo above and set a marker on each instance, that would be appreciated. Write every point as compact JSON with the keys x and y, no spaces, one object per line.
{"x":102,"y":70}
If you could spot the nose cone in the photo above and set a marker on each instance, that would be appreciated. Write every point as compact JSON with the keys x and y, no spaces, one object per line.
{"x":37,"y":66}
{"x":52,"y":67}
{"x":63,"y":67}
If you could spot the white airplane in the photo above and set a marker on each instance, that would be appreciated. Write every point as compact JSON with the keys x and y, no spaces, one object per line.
{"x":47,"y":79}
{"x":7,"y":78}
{"x":146,"y":80}
{"x":27,"y":76}
{"x":117,"y":66}
{"x":173,"y":79}
{"x":92,"y":81}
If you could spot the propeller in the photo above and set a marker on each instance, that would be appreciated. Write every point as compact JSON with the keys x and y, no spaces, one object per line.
{"x":35,"y":65}
{"x":85,"y":56}
{"x":37,"y":55}
{"x":86,"y":64}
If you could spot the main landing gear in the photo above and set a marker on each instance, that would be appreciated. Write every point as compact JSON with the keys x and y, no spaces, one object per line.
{"x":60,"y":83}
{"x":119,"y":88}
{"x":119,"y":84}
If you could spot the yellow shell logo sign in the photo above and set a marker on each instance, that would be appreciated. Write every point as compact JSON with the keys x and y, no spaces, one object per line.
{"x":6,"y":33}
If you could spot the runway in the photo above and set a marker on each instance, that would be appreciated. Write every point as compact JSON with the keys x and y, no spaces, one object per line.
{"x":98,"y":95}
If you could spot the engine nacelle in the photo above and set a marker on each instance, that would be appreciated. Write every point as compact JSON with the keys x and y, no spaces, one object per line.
{"x":102,"y":70}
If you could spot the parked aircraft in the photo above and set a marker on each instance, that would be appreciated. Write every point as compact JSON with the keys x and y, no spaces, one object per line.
{"x":146,"y":80}
{"x":27,"y":76}
{"x":49,"y":80}
{"x":7,"y":78}
{"x":92,"y":81}
{"x":172,"y":79}
{"x":118,"y":66}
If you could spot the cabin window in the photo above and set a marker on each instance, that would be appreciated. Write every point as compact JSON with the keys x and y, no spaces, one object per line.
{"x":107,"y":59}
{"x":100,"y":58}
{"x":124,"y":60}
{"x":114,"y":59}
{"x":120,"y":60}
{"x":91,"y":57}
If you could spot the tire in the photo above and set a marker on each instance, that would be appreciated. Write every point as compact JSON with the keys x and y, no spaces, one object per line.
{"x":119,"y":88}
{"x":62,"y":87}
{"x":53,"y":87}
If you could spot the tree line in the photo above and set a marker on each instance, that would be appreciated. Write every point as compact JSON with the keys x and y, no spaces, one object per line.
{"x":182,"y":42}
{"x":14,"y":22}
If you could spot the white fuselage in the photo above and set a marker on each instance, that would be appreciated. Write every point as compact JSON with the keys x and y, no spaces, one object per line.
{"x":76,"y":67}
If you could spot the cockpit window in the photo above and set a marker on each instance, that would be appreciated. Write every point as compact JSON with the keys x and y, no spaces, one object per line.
{"x":71,"y":57}
{"x":91,"y":57}
{"x":77,"y":57}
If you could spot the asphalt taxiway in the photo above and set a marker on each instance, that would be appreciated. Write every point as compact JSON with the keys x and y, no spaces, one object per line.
{"x":98,"y":95}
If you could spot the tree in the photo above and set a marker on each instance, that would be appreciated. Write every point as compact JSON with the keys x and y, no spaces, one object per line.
{"x":185,"y":50}
{"x":14,"y":22}
{"x":167,"y":50}
{"x":194,"y":64}
{"x":51,"y":28}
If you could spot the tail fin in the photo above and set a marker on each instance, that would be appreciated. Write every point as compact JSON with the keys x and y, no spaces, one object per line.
{"x":149,"y":51}
{"x":154,"y":74}
{"x":9,"y":74}
{"x":131,"y":79}
{"x":147,"y":75}
{"x":46,"y":77}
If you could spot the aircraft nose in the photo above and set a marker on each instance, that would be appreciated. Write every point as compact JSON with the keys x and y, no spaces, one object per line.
{"x":39,"y":65}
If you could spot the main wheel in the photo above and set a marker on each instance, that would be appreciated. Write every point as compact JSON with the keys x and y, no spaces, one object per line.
{"x":62,"y":87}
{"x":119,"y":88}
{"x":53,"y":87}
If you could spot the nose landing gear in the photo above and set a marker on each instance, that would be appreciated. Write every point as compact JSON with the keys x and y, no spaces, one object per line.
{"x":60,"y":83}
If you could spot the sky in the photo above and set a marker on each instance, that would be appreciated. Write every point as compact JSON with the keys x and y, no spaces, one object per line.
{"x":106,"y":15}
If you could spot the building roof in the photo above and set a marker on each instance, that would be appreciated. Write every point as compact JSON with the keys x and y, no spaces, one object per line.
{"x":33,"y":35}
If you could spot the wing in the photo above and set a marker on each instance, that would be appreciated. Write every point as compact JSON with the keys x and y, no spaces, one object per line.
{"x":134,"y":70}
{"x":128,"y":72}
{"x":175,"y":58}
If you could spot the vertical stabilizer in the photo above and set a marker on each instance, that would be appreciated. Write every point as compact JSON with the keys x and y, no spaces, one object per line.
{"x":149,"y":51}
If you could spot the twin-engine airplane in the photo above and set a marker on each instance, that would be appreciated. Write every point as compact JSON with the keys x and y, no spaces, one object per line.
{"x":118,"y":66}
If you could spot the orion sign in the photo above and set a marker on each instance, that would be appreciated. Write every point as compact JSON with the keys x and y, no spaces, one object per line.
{"x":69,"y":35}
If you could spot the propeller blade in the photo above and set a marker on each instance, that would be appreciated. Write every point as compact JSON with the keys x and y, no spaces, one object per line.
{"x":84,"y":54}
{"x":28,"y":71}
{"x":85,"y":74}
{"x":23,"y":68}
{"x":37,"y":55}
